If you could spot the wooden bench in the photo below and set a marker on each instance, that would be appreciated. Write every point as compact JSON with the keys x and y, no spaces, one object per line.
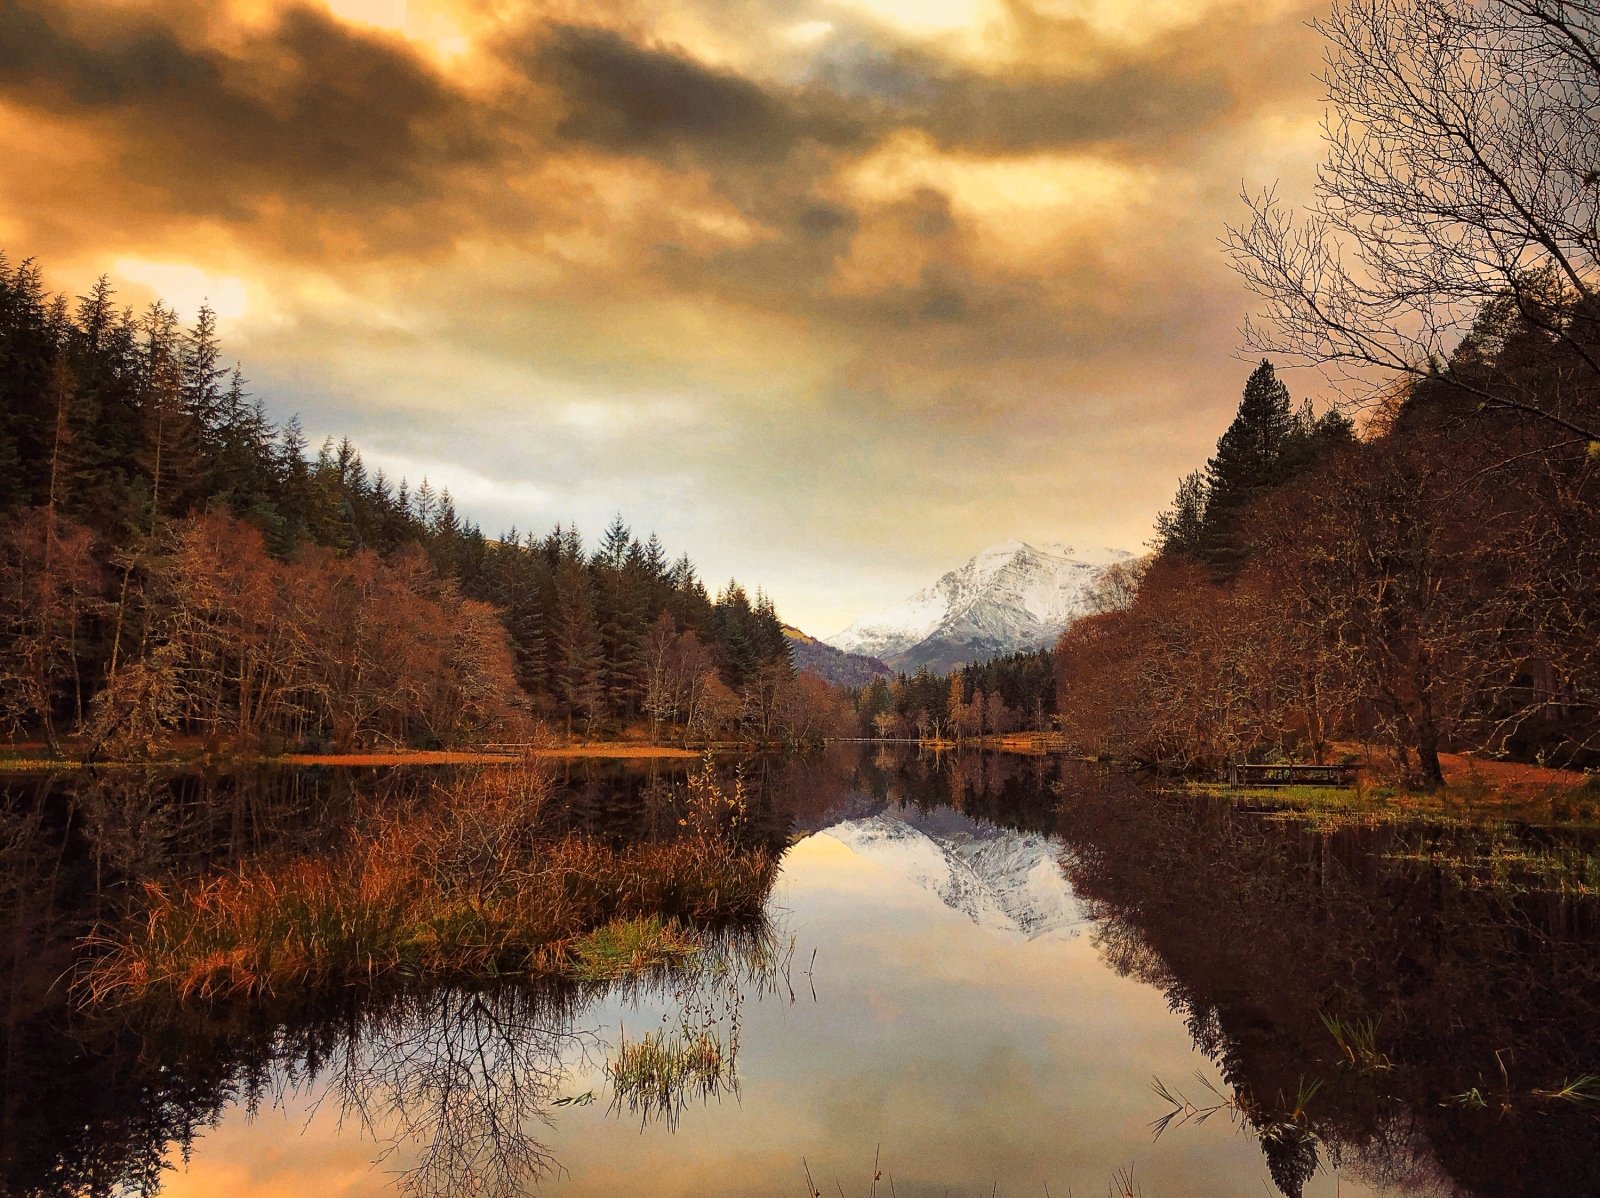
{"x":1242,"y":774}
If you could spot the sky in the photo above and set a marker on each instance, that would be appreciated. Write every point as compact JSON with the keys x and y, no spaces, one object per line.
{"x":829,"y":294}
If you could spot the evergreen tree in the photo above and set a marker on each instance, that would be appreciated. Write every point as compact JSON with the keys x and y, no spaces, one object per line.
{"x":125,"y":427}
{"x":622,"y":608}
{"x":203,"y":401}
{"x":1246,"y":464}
{"x":576,"y":647}
{"x":1180,"y":530}
{"x":733,"y":622}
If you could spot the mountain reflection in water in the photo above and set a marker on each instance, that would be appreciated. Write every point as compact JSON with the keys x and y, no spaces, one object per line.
{"x":992,"y":958}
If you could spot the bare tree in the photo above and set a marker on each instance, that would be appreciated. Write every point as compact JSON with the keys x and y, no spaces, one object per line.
{"x":1462,"y":169}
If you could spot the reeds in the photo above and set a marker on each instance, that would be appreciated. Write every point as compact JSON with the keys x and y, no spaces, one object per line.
{"x":657,"y":1075}
{"x":467,"y":885}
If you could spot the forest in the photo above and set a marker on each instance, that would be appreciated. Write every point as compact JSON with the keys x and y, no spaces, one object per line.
{"x":1422,"y":585}
{"x":1014,"y":692}
{"x":173,"y":565}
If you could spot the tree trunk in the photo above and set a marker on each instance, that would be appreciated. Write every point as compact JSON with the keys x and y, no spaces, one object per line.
{"x":1429,"y":771}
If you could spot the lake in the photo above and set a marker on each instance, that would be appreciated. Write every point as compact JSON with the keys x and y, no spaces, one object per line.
{"x":989,"y":974}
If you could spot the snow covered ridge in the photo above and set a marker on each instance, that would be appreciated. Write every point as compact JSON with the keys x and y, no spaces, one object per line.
{"x":1009,"y":883}
{"x":1011,"y":596}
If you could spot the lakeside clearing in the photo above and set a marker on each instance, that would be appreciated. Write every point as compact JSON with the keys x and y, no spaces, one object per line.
{"x":1475,"y":790}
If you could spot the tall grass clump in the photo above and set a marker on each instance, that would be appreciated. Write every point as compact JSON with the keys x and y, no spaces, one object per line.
{"x":469,"y":883}
{"x":658,"y":1075}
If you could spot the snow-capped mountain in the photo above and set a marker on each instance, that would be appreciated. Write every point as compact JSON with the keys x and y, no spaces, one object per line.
{"x":1005,"y":881}
{"x":1011,"y":596}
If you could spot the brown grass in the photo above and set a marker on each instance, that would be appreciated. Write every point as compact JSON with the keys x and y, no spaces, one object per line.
{"x":611,"y":750}
{"x":467,"y":886}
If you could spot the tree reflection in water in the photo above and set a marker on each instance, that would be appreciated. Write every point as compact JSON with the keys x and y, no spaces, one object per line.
{"x":458,"y":1082}
{"x":1273,"y":939}
{"x":1410,"y":1026}
{"x":454,"y":1085}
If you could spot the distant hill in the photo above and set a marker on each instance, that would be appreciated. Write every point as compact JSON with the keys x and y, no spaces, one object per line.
{"x":1012,"y":596}
{"x":835,"y":665}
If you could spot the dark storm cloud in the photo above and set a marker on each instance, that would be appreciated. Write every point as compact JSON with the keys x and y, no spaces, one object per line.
{"x":315,"y":116}
{"x":1144,"y":100}
{"x":309,"y":110}
{"x":622,"y":96}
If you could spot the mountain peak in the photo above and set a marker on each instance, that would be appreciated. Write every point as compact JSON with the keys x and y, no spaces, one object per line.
{"x":1009,"y":596}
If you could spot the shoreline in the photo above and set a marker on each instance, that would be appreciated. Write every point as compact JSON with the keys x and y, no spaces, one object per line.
{"x":1477,"y":790}
{"x":35,"y":759}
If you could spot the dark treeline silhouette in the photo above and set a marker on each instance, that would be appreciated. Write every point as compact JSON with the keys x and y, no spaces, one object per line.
{"x":170,"y":562}
{"x":1432,"y":584}
{"x":1012,"y":693}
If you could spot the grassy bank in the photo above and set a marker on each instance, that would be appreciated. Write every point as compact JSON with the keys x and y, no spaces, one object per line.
{"x":1544,"y":838}
{"x":1572,"y":800}
{"x":469,"y":884}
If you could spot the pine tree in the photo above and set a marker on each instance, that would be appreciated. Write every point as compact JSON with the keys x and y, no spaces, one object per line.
{"x":575,"y":643}
{"x":614,"y":544}
{"x":1246,"y":464}
{"x":733,"y":619}
{"x":1180,"y":531}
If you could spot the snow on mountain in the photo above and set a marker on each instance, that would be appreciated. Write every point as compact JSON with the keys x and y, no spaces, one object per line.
{"x":1011,"y":596}
{"x":1005,"y":881}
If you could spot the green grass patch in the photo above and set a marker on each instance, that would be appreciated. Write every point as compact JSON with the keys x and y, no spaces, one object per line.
{"x":1467,"y":828}
{"x":630,"y":947}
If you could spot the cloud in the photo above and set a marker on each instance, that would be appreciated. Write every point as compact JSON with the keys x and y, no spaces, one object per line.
{"x":794,"y":280}
{"x":307,"y":114}
{"x":629,"y":98}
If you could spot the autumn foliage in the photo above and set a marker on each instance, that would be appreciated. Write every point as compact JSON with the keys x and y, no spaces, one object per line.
{"x":476,"y":881}
{"x":1431,"y":586}
{"x":172,"y":563}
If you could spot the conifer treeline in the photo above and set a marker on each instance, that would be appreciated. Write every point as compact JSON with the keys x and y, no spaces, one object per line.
{"x":1010,"y":693}
{"x":349,"y":607}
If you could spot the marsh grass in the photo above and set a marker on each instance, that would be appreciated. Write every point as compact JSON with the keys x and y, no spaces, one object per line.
{"x":468,"y":884}
{"x":627,"y":948}
{"x":1502,"y":861}
{"x":1358,"y":1042}
{"x":657,"y":1075}
{"x":1542,"y":844}
{"x":1467,"y":799}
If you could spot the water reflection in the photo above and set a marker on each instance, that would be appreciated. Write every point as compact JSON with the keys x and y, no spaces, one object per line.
{"x":1273,"y":939}
{"x":993,"y":956}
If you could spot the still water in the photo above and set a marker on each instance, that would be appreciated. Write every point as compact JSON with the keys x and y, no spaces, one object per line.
{"x":987,"y":974}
